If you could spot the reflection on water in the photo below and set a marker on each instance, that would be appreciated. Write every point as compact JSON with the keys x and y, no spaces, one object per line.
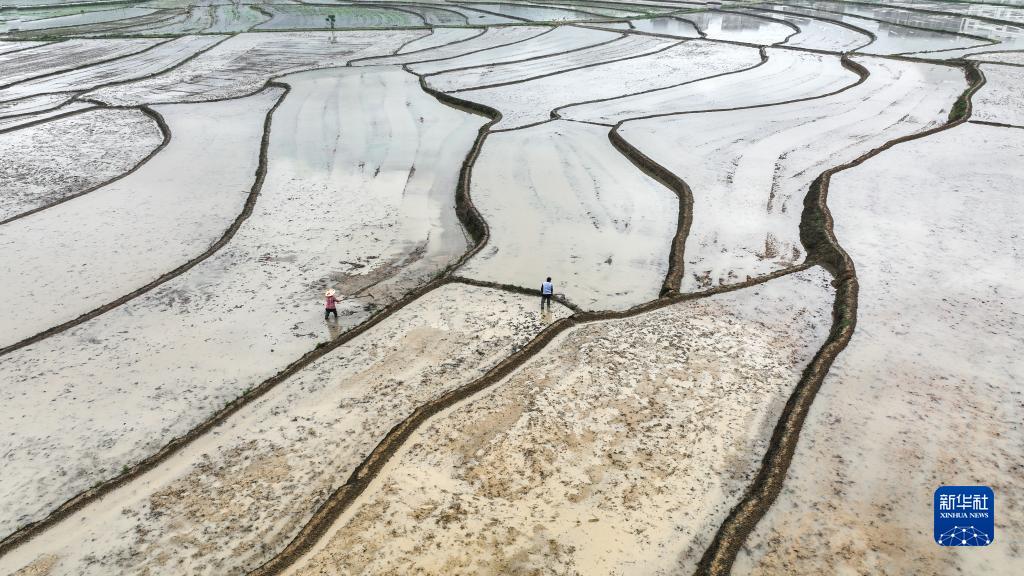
{"x":895,"y":15}
{"x":711,"y":22}
{"x":667,"y":25}
{"x":897,"y":32}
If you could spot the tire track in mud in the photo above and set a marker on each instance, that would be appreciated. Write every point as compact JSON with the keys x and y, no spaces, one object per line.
{"x":250,"y":202}
{"x":817,"y":234}
{"x":164,"y":129}
{"x":346,"y":495}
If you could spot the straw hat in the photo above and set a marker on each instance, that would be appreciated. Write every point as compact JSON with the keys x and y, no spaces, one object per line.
{"x":330,"y":292}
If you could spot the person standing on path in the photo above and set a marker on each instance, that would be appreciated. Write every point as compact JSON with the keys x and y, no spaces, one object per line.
{"x":330,"y":304}
{"x":547,"y":289}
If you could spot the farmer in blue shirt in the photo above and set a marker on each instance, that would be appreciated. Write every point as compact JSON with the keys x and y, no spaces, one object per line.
{"x":547,"y":289}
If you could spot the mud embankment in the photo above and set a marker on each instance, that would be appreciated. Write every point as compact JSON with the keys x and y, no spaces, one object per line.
{"x":819,"y":239}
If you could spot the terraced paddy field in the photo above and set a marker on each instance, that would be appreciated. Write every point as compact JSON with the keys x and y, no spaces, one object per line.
{"x":272,"y":278}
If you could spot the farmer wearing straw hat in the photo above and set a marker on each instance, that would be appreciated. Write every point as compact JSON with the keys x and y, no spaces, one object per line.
{"x":330,"y":304}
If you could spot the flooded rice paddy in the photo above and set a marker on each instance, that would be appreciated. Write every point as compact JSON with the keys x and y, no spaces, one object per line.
{"x":784,"y":239}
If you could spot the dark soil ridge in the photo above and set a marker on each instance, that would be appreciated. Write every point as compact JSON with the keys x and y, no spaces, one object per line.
{"x":345,"y":495}
{"x":975,"y":57}
{"x":817,"y":234}
{"x":164,"y":130}
{"x":32,"y":123}
{"x":684,"y":219}
{"x":250,"y":202}
{"x":996,"y":124}
{"x":611,"y":5}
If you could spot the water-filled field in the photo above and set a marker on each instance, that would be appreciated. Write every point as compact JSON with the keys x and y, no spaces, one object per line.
{"x":783,"y":238}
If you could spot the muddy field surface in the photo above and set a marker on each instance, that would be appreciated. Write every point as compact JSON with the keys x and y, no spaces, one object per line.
{"x":783,"y":237}
{"x":934,"y":356}
{"x":205,"y":511}
{"x":50,"y":162}
{"x":617,"y":450}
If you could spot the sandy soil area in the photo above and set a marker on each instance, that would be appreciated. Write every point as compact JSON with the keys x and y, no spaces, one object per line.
{"x":235,"y":497}
{"x":46,"y":163}
{"x":617,"y":450}
{"x":928,"y":392}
